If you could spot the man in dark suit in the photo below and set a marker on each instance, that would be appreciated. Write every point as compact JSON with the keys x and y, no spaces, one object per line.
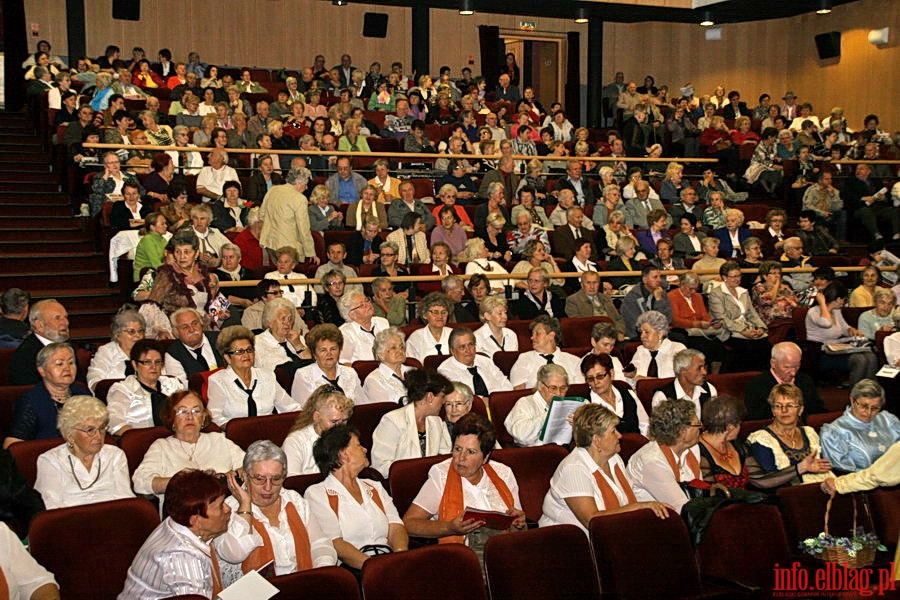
{"x":580,"y":186}
{"x":455,"y":288}
{"x":194,"y":351}
{"x":364,"y":246}
{"x":49,"y":323}
{"x":567,"y":237}
{"x":345,"y":70}
{"x":785,"y":368}
{"x":688,"y":204}
{"x":538,"y":300}
{"x":735,"y":108}
{"x":589,"y":301}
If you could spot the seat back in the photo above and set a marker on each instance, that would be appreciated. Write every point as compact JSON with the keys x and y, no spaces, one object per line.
{"x":25,"y":455}
{"x":629,"y":444}
{"x":523,"y":333}
{"x":114,"y":531}
{"x":424,"y":573}
{"x":885,"y":506}
{"x":576,"y":331}
{"x":317,"y":584}
{"x":299,"y":483}
{"x":435,"y":360}
{"x":101,"y":390}
{"x":406,"y":477}
{"x":817,"y":420}
{"x":748,"y":427}
{"x":510,"y":561}
{"x":645,"y":389}
{"x":8,"y":396}
{"x":5,"y":358}
{"x":803,"y":513}
{"x":366,"y":418}
{"x":625,"y":544}
{"x":501,"y":403}
{"x":135,"y":442}
{"x":243,"y":431}
{"x":505,"y":360}
{"x":199,"y":383}
{"x":365,"y":367}
{"x":533,"y":468}
{"x":732,"y":384}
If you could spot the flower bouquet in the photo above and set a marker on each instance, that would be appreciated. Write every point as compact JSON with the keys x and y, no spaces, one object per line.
{"x":855,"y":551}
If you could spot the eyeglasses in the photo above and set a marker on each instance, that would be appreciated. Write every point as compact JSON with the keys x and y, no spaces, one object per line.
{"x":146,"y":362}
{"x":361,"y":304}
{"x":438,"y":313}
{"x":133,"y":331}
{"x":596,"y":378}
{"x":867,"y":407}
{"x":262,"y":479}
{"x":183,"y":412}
{"x":92,"y":431}
{"x":334,"y":283}
{"x":388,"y":254}
{"x":455,"y":405}
{"x":785,"y":406}
{"x":556,"y":389}
{"x":697,"y":425}
{"x":275,"y":293}
{"x":241,"y":351}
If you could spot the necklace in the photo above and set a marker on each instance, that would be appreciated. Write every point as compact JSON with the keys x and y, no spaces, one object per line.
{"x":792,"y":439}
{"x":726,"y":455}
{"x":78,"y":481}
{"x":191,"y":453}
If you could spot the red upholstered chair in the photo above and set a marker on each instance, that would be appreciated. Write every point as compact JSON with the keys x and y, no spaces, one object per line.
{"x":285,"y":379}
{"x":522,"y":331}
{"x":885,"y":506}
{"x":501,"y":404}
{"x":8,"y":395}
{"x":630,"y":443}
{"x":437,"y":572}
{"x":5,"y":357}
{"x":533,"y":468}
{"x":435,"y":360}
{"x":199,"y":382}
{"x":135,"y":442}
{"x":803,"y":513}
{"x":364,"y":367}
{"x":510,"y":562}
{"x":732,"y":384}
{"x":579,"y":390}
{"x":326,"y":583}
{"x":101,"y":390}
{"x":89,"y":548}
{"x":626,"y":545}
{"x":299,"y":483}
{"x":366,"y":418}
{"x":25,"y":455}
{"x":244,"y":431}
{"x":645,"y":389}
{"x":748,"y":427}
{"x":576,"y":331}
{"x":406,"y":478}
{"x":817,"y":420}
{"x":506,"y":360}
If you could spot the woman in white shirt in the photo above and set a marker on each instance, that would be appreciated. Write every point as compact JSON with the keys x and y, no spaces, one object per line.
{"x":434,"y":309}
{"x":494,"y":335}
{"x":326,"y":408}
{"x":653,"y":358}
{"x":592,"y":480}
{"x":731,"y":305}
{"x":387,"y":382}
{"x":84,"y":469}
{"x":325,"y":343}
{"x":240,"y":389}
{"x":476,"y":254}
{"x":112,"y":360}
{"x":356,"y":515}
{"x":280,"y":344}
{"x":24,"y":578}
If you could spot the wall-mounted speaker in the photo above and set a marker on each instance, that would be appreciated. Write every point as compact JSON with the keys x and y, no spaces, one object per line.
{"x":127,"y":10}
{"x":828,"y":45}
{"x":375,"y":25}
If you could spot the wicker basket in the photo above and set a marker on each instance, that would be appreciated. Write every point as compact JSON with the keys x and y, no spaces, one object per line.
{"x":833,"y":554}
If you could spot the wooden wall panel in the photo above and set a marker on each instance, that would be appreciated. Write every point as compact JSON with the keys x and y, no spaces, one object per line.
{"x":47,"y":14}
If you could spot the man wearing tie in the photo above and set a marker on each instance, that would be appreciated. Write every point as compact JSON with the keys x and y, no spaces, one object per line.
{"x":638,"y":207}
{"x":467,"y":366}
{"x":647,"y":295}
{"x":546,"y":336}
{"x":567,"y":237}
{"x":194,"y":351}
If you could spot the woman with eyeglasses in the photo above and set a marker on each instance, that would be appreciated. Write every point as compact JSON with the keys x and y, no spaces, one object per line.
{"x":188,"y":448}
{"x":84,"y":469}
{"x":112,"y":358}
{"x":240,"y":389}
{"x":434,"y":310}
{"x":333,"y":282}
{"x":271,"y":529}
{"x":785,"y":442}
{"x":326,"y":408}
{"x":386,"y":383}
{"x":137,"y":401}
{"x":617,"y":396}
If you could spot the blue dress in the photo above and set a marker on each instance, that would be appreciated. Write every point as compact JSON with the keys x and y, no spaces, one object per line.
{"x":852,"y":445}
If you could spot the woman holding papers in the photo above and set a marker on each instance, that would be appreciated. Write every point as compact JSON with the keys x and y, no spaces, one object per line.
{"x":592,"y":480}
{"x":466,"y":482}
{"x":525,"y":421}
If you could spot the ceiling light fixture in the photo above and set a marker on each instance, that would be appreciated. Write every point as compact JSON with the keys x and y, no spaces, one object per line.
{"x":339,"y":2}
{"x":581,"y":15}
{"x":708,"y":20}
{"x":466,"y":7}
{"x":824,"y":7}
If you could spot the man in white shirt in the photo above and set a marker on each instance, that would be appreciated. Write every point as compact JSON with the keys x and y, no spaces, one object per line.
{"x":690,"y":381}
{"x":545,"y":333}
{"x":194,"y":351}
{"x":213,"y":177}
{"x":467,"y":366}
{"x":360,"y":328}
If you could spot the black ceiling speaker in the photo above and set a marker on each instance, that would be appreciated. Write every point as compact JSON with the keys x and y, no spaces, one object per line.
{"x":828,"y":45}
{"x":375,"y":25}
{"x":127,"y":10}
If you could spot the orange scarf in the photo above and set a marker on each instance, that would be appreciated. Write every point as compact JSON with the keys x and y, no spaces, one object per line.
{"x":610,"y":499}
{"x":4,"y":588}
{"x":691,"y":460}
{"x":216,"y":572}
{"x":452,"y":502}
{"x":334,"y":500}
{"x":264,"y":554}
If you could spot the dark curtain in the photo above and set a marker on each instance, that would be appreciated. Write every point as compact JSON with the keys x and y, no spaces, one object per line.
{"x":491,"y":53}
{"x":572,"y":102}
{"x":15,"y":47}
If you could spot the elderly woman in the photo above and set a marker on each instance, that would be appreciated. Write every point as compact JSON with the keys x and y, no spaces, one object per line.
{"x":357,"y":515}
{"x":533,"y":256}
{"x":710,"y":260}
{"x":477,"y":256}
{"x":261,"y":509}
{"x":457,"y":404}
{"x":494,"y":336}
{"x":137,"y":400}
{"x":689,"y":313}
{"x":592,"y":480}
{"x":880,"y":318}
{"x":785,"y":442}
{"x":286,"y":259}
{"x":688,"y":242}
{"x":230,"y":213}
{"x":107,"y":186}
{"x":390,"y":267}
{"x":325,"y":408}
{"x":416,"y":429}
{"x":367,"y":207}
{"x":388,"y":304}
{"x":158,"y":135}
{"x":35,"y":411}
{"x":412,"y":244}
{"x":613,"y":232}
{"x":524,"y":421}
{"x":434,"y":309}
{"x":387,"y":382}
{"x":727,"y":461}
{"x":185,"y":282}
{"x":449,"y":231}
{"x":326,"y":344}
{"x":280,"y":345}
{"x":112,"y":359}
{"x":241,"y":389}
{"x":653,"y":358}
{"x":546,"y":338}
{"x":333,"y":283}
{"x":772,"y":298}
{"x":732,"y":235}
{"x":176,"y":559}
{"x":864,"y":432}
{"x":150,"y":250}
{"x":189,"y":448}
{"x":617,"y":396}
{"x":441,"y":254}
{"x":826,"y":324}
{"x":604,"y":336}
{"x":360,"y":328}
{"x":731,"y":305}
{"x":864,"y":295}
{"x":466,"y":480}
{"x":177,"y":212}
{"x":84,"y":469}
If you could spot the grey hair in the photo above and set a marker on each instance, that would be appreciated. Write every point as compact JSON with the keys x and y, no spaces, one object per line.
{"x":298,"y":174}
{"x":35,"y":314}
{"x":345,"y":304}
{"x":547,"y":370}
{"x":47,"y":351}
{"x":253,"y":216}
{"x":493,"y":187}
{"x":457,"y":333}
{"x":77,"y":410}
{"x":233,"y":247}
{"x":627,"y":243}
{"x":173,"y":318}
{"x":124,"y":317}
{"x":390,"y":246}
{"x":451,"y":282}
{"x":490,"y":303}
{"x":669,"y":419}
{"x":179,"y":129}
{"x":464,"y":391}
{"x":883,"y":294}
{"x":683,"y":359}
{"x":14,"y":301}
{"x":274,"y":306}
{"x":261,"y":450}
{"x":383,"y":337}
{"x":689,"y":278}
{"x":867,"y":388}
{"x":779,"y":349}
{"x":654,"y":319}
{"x":379,"y":281}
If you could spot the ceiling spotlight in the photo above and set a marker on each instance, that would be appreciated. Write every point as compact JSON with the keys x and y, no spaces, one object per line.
{"x":707,"y":19}
{"x":339,"y":2}
{"x":466,"y":7}
{"x":824,"y":7}
{"x":581,"y":15}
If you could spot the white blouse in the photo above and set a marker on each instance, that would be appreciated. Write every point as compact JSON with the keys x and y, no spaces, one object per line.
{"x":421,"y":343}
{"x":167,"y":456}
{"x":228,"y":400}
{"x":23,"y":574}
{"x":487,"y":344}
{"x":311,"y":377}
{"x":108,"y":363}
{"x":482,"y":495}
{"x":359,"y":343}
{"x":298,"y":448}
{"x":129,"y":403}
{"x":63,"y":480}
{"x":383,"y":385}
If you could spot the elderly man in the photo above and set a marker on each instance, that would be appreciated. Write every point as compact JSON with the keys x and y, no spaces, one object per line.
{"x":364,"y":246}
{"x":537,"y":299}
{"x":525,"y":420}
{"x":869,"y":204}
{"x":825,"y":200}
{"x":337,"y":253}
{"x":49,"y":323}
{"x":525,"y":232}
{"x":285,"y":217}
{"x":546,"y":336}
{"x":505,"y":174}
{"x":13,"y":320}
{"x":360,"y":328}
{"x":637,"y":208}
{"x":560,"y":215}
{"x":455,"y":288}
{"x":407,"y":203}
{"x":491,"y":121}
{"x":687,"y":204}
{"x":467,"y":366}
{"x":211,"y":239}
{"x":793,"y":257}
{"x":574,"y":181}
{"x":259,"y":123}
{"x":388,"y":304}
{"x":569,"y":236}
{"x":194,"y":350}
{"x":784,"y":367}
{"x":345,"y":185}
{"x":398,"y":125}
{"x":590,"y":301}
{"x":213,"y":176}
{"x":690,"y":382}
{"x":649,"y":294}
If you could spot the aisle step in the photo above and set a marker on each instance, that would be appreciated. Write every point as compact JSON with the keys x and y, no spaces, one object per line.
{"x":6,"y":185}
{"x":33,"y":280}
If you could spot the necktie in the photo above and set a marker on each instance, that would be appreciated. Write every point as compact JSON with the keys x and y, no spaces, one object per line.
{"x":478,"y":385}
{"x":334,"y":383}
{"x":369,"y":331}
{"x":577,"y":233}
{"x":157,"y":401}
{"x":653,"y":368}
{"x":438,"y":348}
{"x":501,"y":345}
{"x":251,"y":403}
{"x":129,"y":368}
{"x":409,"y":249}
{"x":290,"y":287}
{"x":548,"y":358}
{"x":292,"y":356}
{"x":204,"y":365}
{"x":182,"y":161}
{"x":647,"y":205}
